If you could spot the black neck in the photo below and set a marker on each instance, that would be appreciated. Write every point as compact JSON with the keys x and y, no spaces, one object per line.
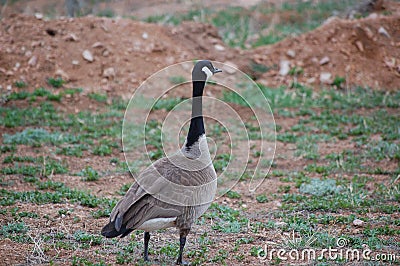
{"x":196,"y":128}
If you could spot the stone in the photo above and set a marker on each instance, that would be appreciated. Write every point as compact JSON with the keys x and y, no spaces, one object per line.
{"x":39,"y":15}
{"x":71,"y":38}
{"x":383,"y":32}
{"x":145,"y":36}
{"x":32,"y":61}
{"x":109,"y":73}
{"x":219,"y":47}
{"x":61,"y":73}
{"x":291,"y":53}
{"x":284,"y":67}
{"x":280,"y":224}
{"x":358,"y":222}
{"x":360,"y":46}
{"x":325,"y":78}
{"x":229,"y":67}
{"x":87,"y":55}
{"x":75,"y":62}
{"x":325,"y":60}
{"x":97,"y":45}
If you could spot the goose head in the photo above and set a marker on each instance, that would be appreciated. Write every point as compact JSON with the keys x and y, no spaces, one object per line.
{"x":203,"y":70}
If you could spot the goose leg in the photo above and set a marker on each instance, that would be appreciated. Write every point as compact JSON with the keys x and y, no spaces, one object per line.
{"x":182,"y":241}
{"x":146,"y":246}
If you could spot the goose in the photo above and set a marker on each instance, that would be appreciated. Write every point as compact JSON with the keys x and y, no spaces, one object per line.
{"x":174,"y":191}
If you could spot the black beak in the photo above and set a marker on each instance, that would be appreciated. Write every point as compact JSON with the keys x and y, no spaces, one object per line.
{"x":217,"y":70}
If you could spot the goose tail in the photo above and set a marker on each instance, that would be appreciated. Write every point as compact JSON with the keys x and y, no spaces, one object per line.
{"x":109,"y":231}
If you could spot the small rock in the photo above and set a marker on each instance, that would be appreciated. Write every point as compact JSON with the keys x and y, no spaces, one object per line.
{"x":280,"y":224}
{"x":229,"y":67}
{"x":358,"y":222}
{"x":310,"y":80}
{"x":219,"y":47}
{"x":28,"y":53}
{"x":324,"y":60}
{"x":291,"y":53}
{"x":284,"y":67}
{"x":9,"y":87}
{"x":75,"y":62}
{"x":373,"y":16}
{"x":9,"y":73}
{"x":61,"y":73}
{"x":87,"y":55}
{"x":39,"y":15}
{"x":97,"y":45}
{"x":32,"y":61}
{"x":109,"y":73}
{"x":71,"y":38}
{"x":325,"y":78}
{"x":369,"y":32}
{"x":383,"y":31}
{"x":17,"y":65}
{"x":360,"y":46}
{"x":106,"y":53}
{"x":314,"y":60}
{"x":145,"y":36}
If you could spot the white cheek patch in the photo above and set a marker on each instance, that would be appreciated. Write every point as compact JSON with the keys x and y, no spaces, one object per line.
{"x":207,"y":71}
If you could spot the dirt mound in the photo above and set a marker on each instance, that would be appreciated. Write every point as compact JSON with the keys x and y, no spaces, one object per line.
{"x":364,"y":52}
{"x":120,"y":54}
{"x":116,"y":55}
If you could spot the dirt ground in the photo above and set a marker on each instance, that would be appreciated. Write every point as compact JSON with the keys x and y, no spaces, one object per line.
{"x":125,"y":52}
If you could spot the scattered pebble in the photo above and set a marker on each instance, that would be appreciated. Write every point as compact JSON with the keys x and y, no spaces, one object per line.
{"x":229,"y":67}
{"x":324,"y":60}
{"x":291,"y":53}
{"x":325,"y":78}
{"x":219,"y":47}
{"x":360,"y":46}
{"x":9,"y":87}
{"x":145,"y":36}
{"x":280,"y":224}
{"x":383,"y":31}
{"x":71,"y":38}
{"x":39,"y":15}
{"x":284,"y":67}
{"x":61,"y":73}
{"x":32,"y":61}
{"x":358,"y":222}
{"x":97,"y":45}
{"x":109,"y":73}
{"x":75,"y":62}
{"x":87,"y":55}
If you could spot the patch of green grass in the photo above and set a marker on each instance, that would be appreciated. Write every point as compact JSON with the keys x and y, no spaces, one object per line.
{"x":36,"y":137}
{"x":102,"y":149}
{"x":56,"y":82}
{"x":177,"y":79}
{"x":88,"y":238}
{"x":89,"y":174}
{"x":20,"y":84}
{"x":167,"y":103}
{"x":44,"y":166}
{"x":101,"y":98}
{"x":233,"y":194}
{"x":108,"y":12}
{"x":262,"y":198}
{"x":226,"y":219}
{"x":73,"y":150}
{"x":221,"y":161}
{"x":320,"y":187}
{"x":15,"y":231}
